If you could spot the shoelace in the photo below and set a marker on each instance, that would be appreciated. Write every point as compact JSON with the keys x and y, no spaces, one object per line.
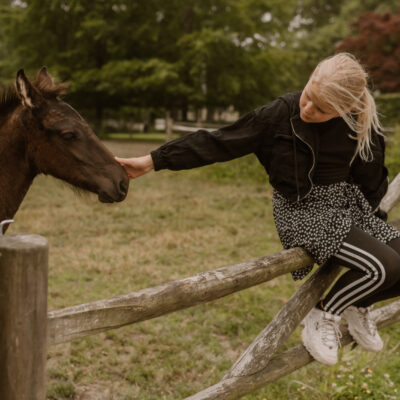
{"x":367,"y":321}
{"x":330,"y":332}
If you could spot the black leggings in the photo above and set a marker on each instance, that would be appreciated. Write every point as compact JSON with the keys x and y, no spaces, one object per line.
{"x":374,"y":273}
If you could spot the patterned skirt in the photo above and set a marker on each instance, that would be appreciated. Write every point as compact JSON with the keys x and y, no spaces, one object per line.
{"x":320,"y":222}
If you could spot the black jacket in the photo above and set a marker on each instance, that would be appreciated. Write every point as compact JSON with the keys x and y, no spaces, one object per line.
{"x":285,"y":145}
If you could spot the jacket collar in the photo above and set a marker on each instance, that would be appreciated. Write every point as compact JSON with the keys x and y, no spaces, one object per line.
{"x":302,"y":129}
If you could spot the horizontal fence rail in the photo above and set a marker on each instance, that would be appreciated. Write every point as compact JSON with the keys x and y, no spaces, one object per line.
{"x":87,"y":319}
{"x":258,"y":365}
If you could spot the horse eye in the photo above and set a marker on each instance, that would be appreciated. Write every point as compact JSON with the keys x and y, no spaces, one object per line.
{"x":68,"y":135}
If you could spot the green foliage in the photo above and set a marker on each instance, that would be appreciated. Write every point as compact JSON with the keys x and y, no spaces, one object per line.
{"x":358,"y":375}
{"x":61,"y":391}
{"x":376,"y":42}
{"x":388,"y":106}
{"x":170,"y":55}
{"x":7,"y":64}
{"x":320,"y":29}
{"x":393,"y":153}
{"x":175,"y":55}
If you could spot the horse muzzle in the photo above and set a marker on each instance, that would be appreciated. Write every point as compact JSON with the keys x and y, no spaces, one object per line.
{"x":116,"y":195}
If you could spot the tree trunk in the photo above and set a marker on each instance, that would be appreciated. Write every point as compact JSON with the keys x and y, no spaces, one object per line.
{"x":98,"y":123}
{"x":168,"y":126}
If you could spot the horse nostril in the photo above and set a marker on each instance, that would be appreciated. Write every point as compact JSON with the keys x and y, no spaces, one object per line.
{"x":123,"y":188}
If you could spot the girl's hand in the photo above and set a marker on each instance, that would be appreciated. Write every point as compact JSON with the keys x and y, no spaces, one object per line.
{"x":136,"y":166}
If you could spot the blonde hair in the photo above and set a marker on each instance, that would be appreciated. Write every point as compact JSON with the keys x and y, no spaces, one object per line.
{"x":341,"y":83}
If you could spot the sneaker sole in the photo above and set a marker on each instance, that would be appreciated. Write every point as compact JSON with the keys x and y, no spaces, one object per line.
{"x":311,"y":352}
{"x":359,"y":342}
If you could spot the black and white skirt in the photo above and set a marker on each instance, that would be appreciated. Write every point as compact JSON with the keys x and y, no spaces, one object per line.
{"x":320,"y":222}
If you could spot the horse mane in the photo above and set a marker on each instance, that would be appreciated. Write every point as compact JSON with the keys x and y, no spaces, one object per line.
{"x":9,"y":98}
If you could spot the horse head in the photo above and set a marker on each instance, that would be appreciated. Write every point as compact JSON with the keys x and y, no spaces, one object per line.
{"x":60,"y":143}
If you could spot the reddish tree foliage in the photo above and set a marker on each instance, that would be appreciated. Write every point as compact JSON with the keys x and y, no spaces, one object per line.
{"x":377,"y":46}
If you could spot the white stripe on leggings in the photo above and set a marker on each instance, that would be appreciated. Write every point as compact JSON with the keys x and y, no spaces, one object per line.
{"x":369,"y":272}
{"x":371,"y":285}
{"x":346,"y":289}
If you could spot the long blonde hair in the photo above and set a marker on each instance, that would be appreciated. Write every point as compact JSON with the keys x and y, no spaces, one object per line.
{"x":342,"y":85}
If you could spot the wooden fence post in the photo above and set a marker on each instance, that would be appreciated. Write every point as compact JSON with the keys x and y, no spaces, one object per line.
{"x":23,"y":316}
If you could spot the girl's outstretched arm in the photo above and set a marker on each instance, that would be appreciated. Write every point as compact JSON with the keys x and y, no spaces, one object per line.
{"x":250,"y":133}
{"x":136,"y":166}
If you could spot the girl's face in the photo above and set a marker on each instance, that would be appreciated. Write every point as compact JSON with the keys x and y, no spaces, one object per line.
{"x":312,"y":109}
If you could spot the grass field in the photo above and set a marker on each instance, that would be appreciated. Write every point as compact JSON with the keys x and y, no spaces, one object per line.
{"x":149,"y":137}
{"x":173,"y":225}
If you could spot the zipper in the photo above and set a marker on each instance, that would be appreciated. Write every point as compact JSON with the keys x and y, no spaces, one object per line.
{"x":312,"y":167}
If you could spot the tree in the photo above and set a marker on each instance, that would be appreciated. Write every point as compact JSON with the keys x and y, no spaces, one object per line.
{"x":320,"y":26}
{"x":376,"y":42}
{"x":172,"y":55}
{"x":7,"y":17}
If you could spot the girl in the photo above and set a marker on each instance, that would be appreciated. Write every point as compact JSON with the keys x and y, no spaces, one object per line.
{"x":324,"y":152}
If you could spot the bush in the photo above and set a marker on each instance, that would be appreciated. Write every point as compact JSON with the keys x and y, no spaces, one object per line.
{"x":389,"y":107}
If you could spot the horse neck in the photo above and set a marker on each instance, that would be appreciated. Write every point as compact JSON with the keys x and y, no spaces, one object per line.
{"x":16,"y":173}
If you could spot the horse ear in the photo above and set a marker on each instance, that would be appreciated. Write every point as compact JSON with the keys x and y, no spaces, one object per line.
{"x":44,"y":79}
{"x":30,"y":97}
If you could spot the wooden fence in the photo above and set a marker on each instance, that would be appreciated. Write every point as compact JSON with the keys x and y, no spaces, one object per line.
{"x":26,"y":329}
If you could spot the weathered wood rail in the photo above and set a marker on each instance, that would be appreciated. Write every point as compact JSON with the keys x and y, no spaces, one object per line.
{"x":98,"y":316}
{"x":27,"y":329}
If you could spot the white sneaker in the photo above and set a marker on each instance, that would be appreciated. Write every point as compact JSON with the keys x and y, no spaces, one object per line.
{"x":363,"y":328}
{"x":321,"y":335}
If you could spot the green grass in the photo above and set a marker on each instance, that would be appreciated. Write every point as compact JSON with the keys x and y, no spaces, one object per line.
{"x":173,"y":225}
{"x":393,"y":153}
{"x":155,"y":137}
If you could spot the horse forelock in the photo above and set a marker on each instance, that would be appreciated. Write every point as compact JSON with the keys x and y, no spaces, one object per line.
{"x":49,"y":89}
